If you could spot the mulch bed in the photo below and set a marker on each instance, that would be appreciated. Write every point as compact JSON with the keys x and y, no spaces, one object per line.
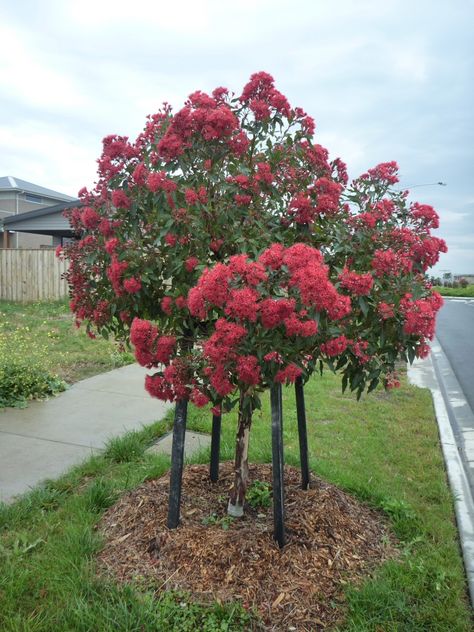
{"x":332,"y":538}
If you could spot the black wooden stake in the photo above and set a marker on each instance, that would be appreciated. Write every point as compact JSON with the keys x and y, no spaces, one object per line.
{"x":177,"y":458}
{"x":302,"y":433}
{"x":277,"y":465}
{"x":215,"y":448}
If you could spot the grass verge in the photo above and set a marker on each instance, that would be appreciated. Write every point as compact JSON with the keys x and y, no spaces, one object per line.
{"x":67,"y":350}
{"x":384,"y":449}
{"x":466,"y":292}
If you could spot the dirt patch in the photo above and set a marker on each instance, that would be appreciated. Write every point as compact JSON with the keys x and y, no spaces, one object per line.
{"x":332,"y":539}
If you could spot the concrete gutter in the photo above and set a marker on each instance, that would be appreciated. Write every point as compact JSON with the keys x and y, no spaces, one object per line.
{"x":454,"y":417}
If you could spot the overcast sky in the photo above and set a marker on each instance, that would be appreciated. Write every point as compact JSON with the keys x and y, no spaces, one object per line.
{"x":384,"y":80}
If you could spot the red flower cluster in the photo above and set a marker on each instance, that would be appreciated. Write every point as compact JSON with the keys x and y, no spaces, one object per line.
{"x":159,"y":181}
{"x":90,"y":218}
{"x":120,"y":199}
{"x":115,"y":273}
{"x":289,"y":374}
{"x":425,"y":214}
{"x":386,"y":310}
{"x":202,"y":116}
{"x":420,"y":315}
{"x":391,"y":263}
{"x":359,"y":284}
{"x":132,"y":285}
{"x":334,"y":347}
{"x":151,"y":349}
{"x":262,"y":97}
{"x":385,"y":171}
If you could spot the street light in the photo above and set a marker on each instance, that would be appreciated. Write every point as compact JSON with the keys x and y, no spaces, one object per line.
{"x":429,"y":184}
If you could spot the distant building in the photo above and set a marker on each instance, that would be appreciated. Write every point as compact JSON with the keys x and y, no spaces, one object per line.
{"x":469,"y":278}
{"x":19,"y":196}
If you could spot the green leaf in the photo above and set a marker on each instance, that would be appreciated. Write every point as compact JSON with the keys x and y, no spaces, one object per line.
{"x":373,"y":384}
{"x":344,"y":382}
{"x":363,"y":305}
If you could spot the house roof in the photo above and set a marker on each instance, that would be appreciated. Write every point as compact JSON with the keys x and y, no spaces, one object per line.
{"x":43,"y":221}
{"x":39,"y":212}
{"x":9,"y":183}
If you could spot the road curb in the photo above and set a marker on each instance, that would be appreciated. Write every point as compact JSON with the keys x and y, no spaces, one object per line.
{"x":458,"y":298}
{"x":423,"y":373}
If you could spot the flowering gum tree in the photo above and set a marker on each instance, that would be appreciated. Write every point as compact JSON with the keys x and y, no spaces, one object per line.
{"x":232,"y":252}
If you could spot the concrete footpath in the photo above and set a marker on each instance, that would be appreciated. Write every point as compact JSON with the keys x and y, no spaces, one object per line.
{"x":47,"y":438}
{"x":456,"y":423}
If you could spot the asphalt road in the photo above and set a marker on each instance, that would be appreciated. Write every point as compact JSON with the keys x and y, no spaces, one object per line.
{"x":455,"y":332}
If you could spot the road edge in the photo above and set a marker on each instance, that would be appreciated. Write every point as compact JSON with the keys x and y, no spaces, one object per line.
{"x":422,"y":373}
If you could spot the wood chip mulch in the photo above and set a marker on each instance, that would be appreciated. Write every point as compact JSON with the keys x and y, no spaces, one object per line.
{"x":332,"y":538}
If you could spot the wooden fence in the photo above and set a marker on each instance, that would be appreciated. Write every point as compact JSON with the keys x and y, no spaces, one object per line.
{"x":31,"y":275}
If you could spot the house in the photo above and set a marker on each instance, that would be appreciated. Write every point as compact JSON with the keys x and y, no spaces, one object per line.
{"x":469,"y":278}
{"x":46,"y":223}
{"x":20,"y":203}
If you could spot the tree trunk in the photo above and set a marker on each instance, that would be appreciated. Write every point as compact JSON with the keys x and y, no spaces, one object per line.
{"x":235,"y":507}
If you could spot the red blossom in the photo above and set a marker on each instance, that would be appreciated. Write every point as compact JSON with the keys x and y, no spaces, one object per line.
{"x":158,"y":181}
{"x":274,"y":311}
{"x":385,"y":171}
{"x":111,"y":245}
{"x":90,"y":218}
{"x":248,"y":369}
{"x":426,"y":214}
{"x":198,"y":398}
{"x":171,"y":239}
{"x":242,"y":304}
{"x":296,"y":327}
{"x":191,"y":263}
{"x":386,"y":310}
{"x":335,"y":346}
{"x":392,"y":380}
{"x":358,"y":284}
{"x":289,"y":374}
{"x":191,"y":197}
{"x":120,"y":199}
{"x":166,"y":304}
{"x":272,"y":257}
{"x":132,"y":285}
{"x":273,"y":356}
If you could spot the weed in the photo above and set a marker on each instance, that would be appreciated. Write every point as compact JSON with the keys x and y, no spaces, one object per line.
{"x":259,"y":495}
{"x":214,"y":519}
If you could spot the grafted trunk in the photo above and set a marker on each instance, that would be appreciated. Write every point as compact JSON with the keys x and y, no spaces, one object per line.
{"x":241,"y":469}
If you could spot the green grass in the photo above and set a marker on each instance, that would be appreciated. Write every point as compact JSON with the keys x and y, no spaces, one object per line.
{"x":70,"y":353}
{"x":456,"y":291}
{"x":384,"y":450}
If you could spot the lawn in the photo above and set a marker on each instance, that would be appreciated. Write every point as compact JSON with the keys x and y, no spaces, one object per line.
{"x":456,"y":291}
{"x":47,"y":329}
{"x":384,"y":450}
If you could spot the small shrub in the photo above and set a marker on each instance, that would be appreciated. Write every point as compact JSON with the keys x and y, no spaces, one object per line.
{"x":21,"y":381}
{"x":24,"y":373}
{"x":259,"y":495}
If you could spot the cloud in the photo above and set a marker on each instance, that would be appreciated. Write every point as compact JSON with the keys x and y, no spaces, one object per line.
{"x":383,"y":80}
